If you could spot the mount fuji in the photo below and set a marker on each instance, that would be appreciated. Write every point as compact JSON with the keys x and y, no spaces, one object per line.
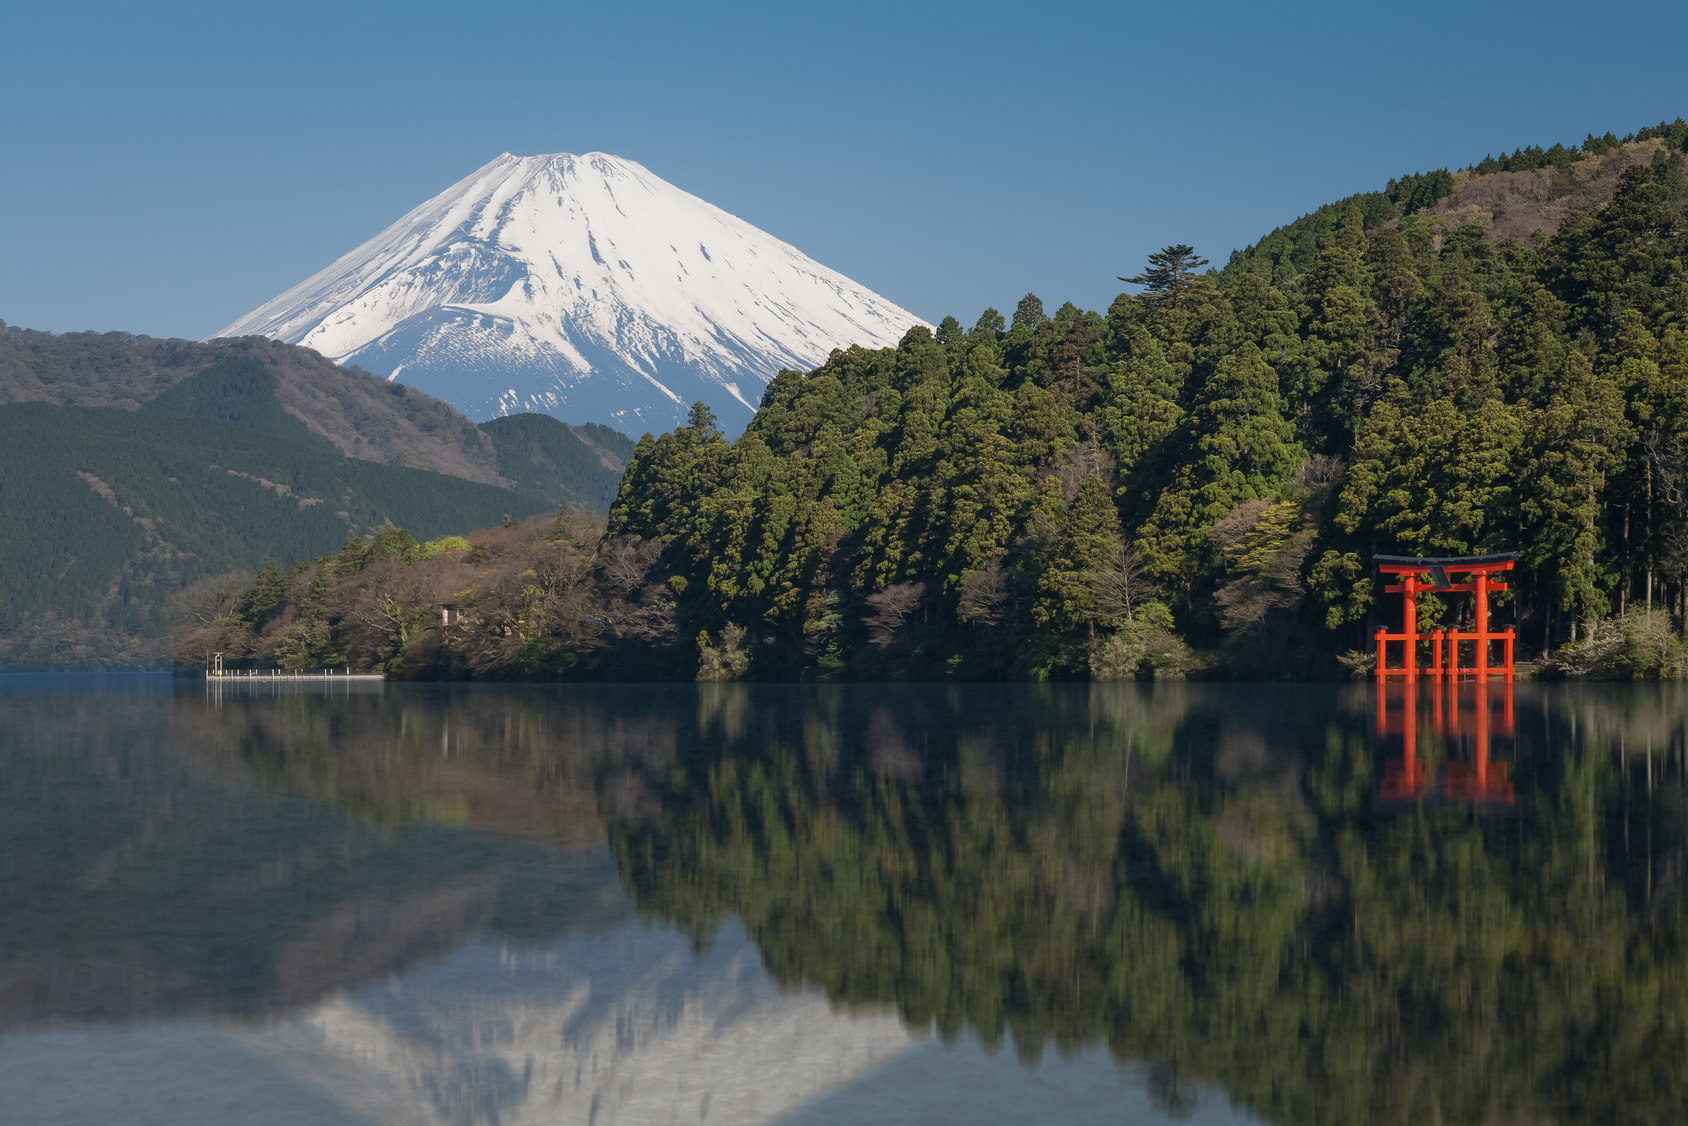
{"x":583,"y":287}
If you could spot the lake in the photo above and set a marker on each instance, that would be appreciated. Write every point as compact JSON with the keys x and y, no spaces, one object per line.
{"x":383,"y":903}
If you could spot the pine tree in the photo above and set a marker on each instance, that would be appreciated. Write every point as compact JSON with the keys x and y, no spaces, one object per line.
{"x":1171,"y":273}
{"x":1574,"y":443}
{"x":1089,"y":535}
{"x":266,"y":598}
{"x":1029,"y":311}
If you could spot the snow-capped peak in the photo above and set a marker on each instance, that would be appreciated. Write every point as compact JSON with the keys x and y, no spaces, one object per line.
{"x":581,"y":286}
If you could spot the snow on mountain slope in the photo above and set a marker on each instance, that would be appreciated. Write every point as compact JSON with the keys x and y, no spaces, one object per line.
{"x":580,"y":286}
{"x":620,"y":1028}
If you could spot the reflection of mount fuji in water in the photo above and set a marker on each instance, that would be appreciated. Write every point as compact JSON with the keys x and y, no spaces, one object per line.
{"x":297,"y":896}
{"x":631,"y":1026}
{"x":616,"y":1027}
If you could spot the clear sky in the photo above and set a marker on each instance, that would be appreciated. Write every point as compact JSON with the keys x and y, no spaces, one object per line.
{"x":165,"y":168}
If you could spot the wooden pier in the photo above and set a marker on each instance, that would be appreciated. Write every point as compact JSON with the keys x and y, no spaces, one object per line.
{"x":217,"y":674}
{"x":287,"y":676}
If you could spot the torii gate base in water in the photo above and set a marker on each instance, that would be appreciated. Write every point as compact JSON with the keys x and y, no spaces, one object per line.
{"x":1435,"y":572}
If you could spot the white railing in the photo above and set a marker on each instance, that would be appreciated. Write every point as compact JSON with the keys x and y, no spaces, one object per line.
{"x":248,"y":675}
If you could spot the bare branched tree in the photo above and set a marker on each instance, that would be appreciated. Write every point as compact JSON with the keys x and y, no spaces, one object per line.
{"x":1232,"y":530}
{"x":626,"y":563}
{"x":1080,"y":462}
{"x":1246,"y":601}
{"x":985,"y":594}
{"x":1321,"y":474}
{"x":206,"y":600}
{"x":1117,"y":587}
{"x":892,"y":609}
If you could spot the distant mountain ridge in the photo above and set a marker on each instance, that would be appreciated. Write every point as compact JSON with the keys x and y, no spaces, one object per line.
{"x":131,"y":468}
{"x":579,"y":285}
{"x":107,"y":513}
{"x":368,"y":418}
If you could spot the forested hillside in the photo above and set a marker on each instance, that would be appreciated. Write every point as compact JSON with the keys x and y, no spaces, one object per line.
{"x":107,"y":512}
{"x":572,"y":465}
{"x":1192,"y":483}
{"x":1510,"y":196}
{"x":1211,"y":464}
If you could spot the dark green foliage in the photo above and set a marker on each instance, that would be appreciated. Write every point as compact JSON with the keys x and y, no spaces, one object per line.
{"x":1419,"y":190}
{"x":1170,"y":274}
{"x":613,"y":442}
{"x":952,"y":507}
{"x":109,"y":511}
{"x":397,"y":543}
{"x":241,"y":391}
{"x":280,"y":388}
{"x":548,"y":458}
{"x":1289,"y":250}
{"x":1029,"y":311}
{"x":1534,"y":157}
{"x":265,"y":598}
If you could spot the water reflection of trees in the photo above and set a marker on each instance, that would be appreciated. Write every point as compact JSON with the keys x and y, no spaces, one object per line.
{"x":1204,"y":879}
{"x":165,"y":853}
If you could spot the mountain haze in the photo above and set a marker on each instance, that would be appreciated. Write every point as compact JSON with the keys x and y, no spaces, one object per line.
{"x":584,"y":287}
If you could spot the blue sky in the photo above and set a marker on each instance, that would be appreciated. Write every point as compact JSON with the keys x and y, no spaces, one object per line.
{"x":167,"y":167}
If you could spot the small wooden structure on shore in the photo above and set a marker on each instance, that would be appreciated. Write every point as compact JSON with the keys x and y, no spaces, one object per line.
{"x":1435,"y":580}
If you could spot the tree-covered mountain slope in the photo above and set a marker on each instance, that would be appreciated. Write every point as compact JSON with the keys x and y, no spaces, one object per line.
{"x":108,"y":511}
{"x":1510,"y":196}
{"x":1214,"y":461}
{"x":368,"y":418}
{"x":573,"y":465}
{"x":1194,"y":483}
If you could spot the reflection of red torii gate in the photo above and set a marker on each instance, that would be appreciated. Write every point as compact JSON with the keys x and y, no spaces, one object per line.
{"x":1476,"y":781}
{"x":1477,"y":568}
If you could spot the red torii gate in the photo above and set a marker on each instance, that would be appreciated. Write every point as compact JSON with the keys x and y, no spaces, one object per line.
{"x":1478,"y":568}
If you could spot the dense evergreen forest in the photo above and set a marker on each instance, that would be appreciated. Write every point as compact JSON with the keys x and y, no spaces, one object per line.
{"x":1192,"y":483}
{"x":1209,"y":465}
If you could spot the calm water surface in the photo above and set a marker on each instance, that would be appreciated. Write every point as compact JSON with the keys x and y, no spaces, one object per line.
{"x":726,"y":904}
